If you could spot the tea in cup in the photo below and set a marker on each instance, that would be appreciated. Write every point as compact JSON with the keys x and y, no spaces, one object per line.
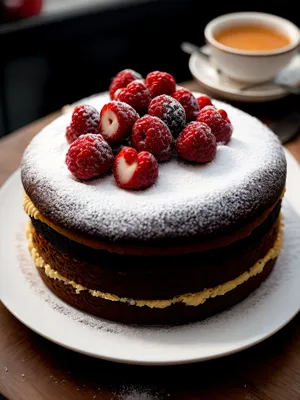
{"x":251,"y":46}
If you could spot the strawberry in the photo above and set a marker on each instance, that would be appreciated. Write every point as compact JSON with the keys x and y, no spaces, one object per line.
{"x":116,"y":121}
{"x":133,"y":170}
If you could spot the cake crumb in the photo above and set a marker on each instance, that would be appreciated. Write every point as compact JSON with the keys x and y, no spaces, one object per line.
{"x":23,"y":375}
{"x":5,"y":369}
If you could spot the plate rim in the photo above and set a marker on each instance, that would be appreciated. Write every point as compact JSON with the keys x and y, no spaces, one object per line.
{"x":125,"y":360}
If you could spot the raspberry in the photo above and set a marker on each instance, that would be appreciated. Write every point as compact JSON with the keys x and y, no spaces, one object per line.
{"x":116,"y":94}
{"x":188,"y":102}
{"x":116,"y":121}
{"x":89,"y":156}
{"x":137,"y":95}
{"x":224,"y":115}
{"x":152,"y":134}
{"x":196,"y":143}
{"x":85,"y":119}
{"x":133,"y":170}
{"x":170,"y":111}
{"x":122,"y":79}
{"x":204,"y":101}
{"x":218,"y":125}
{"x":160,"y":83}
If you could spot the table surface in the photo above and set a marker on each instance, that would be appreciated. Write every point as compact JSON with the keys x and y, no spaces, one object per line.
{"x":32,"y":368}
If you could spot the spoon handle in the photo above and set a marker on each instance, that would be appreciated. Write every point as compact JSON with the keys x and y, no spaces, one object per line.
{"x":191,"y":48}
{"x":251,"y":86}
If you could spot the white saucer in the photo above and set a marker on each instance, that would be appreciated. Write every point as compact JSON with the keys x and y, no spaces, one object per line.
{"x":221,"y":86}
{"x":262,"y":314}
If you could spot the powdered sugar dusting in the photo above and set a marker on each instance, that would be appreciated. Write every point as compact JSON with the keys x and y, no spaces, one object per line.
{"x":186,"y":200}
{"x":140,"y":392}
{"x":170,"y":111}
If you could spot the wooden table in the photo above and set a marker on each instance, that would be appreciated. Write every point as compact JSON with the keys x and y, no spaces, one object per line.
{"x":33,"y":368}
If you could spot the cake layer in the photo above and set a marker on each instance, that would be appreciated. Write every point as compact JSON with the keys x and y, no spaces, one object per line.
{"x":188,"y":203}
{"x":177,"y":313}
{"x":153,"y":277}
{"x":169,"y":247}
{"x":180,"y":309}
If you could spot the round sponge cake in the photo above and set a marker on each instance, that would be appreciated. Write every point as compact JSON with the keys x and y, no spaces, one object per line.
{"x":110,"y":242}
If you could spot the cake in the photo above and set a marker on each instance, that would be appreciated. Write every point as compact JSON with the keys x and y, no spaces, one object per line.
{"x":197,"y":242}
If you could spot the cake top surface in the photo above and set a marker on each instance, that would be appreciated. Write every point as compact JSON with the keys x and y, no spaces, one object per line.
{"x":246,"y":177}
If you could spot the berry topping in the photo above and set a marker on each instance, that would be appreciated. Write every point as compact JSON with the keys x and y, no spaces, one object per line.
{"x":89,"y":156}
{"x":133,"y":170}
{"x":152,"y":134}
{"x":116,"y":121}
{"x":85,"y":119}
{"x":204,"y":101}
{"x":116,"y":94}
{"x":122,"y":79}
{"x":224,"y":115}
{"x":136,"y":94}
{"x":170,"y":111}
{"x":218,"y":125}
{"x":196,"y":143}
{"x":188,"y":102}
{"x":160,"y":83}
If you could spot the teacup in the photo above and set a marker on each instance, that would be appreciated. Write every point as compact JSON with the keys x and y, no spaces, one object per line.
{"x":255,"y":65}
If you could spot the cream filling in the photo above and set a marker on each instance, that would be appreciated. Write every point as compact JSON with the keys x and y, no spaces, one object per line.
{"x":30,"y":208}
{"x":189,"y":299}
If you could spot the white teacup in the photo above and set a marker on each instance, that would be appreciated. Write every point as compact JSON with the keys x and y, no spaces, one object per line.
{"x":249,"y":65}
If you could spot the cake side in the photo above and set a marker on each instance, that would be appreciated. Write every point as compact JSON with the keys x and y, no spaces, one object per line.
{"x":179,"y":309}
{"x":160,"y":247}
{"x":175,"y":314}
{"x":153,"y":276}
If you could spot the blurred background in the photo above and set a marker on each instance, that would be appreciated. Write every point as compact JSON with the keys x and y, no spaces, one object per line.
{"x":54,"y":52}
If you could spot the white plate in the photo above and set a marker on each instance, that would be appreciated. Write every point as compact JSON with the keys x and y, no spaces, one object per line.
{"x":224,"y":87}
{"x":263,"y":313}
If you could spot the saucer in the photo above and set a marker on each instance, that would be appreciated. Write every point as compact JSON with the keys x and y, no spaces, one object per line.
{"x":219,"y":85}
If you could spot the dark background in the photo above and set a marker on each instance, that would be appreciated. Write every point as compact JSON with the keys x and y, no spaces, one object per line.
{"x":47,"y":62}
